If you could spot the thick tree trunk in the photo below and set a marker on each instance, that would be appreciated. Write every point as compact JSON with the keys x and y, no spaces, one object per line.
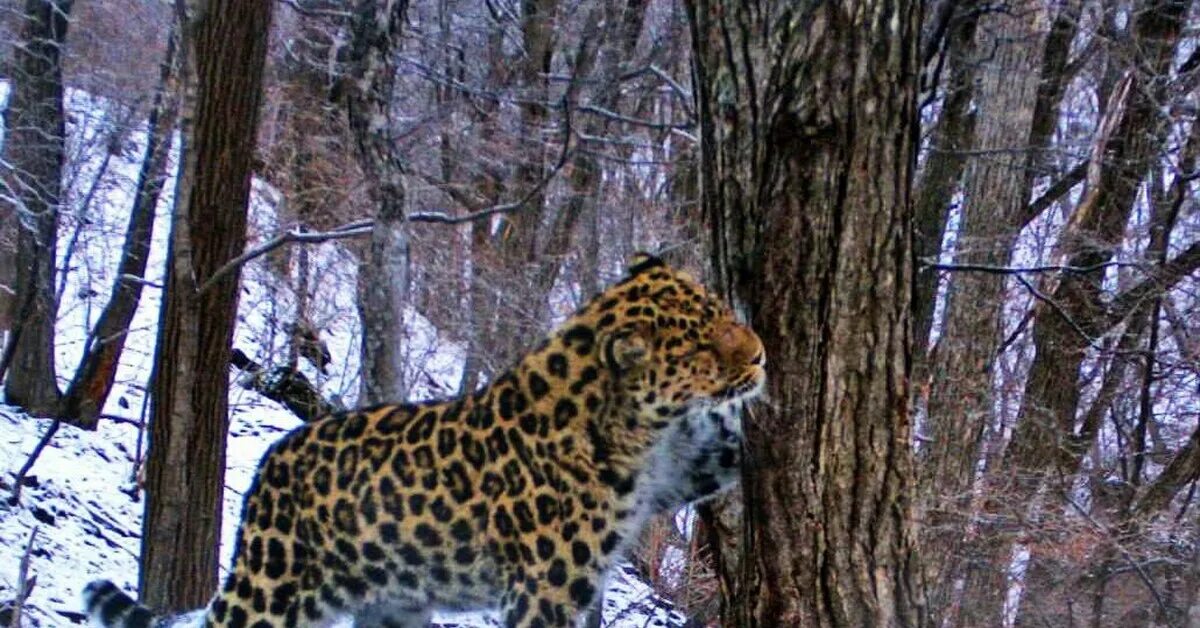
{"x":383,"y":275}
{"x":224,"y":46}
{"x":93,"y":381}
{"x":34,"y":153}
{"x":807,"y":168}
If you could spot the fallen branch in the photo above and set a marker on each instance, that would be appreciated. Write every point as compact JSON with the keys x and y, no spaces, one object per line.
{"x":24,"y":584}
{"x":285,"y":385}
{"x":15,"y":498}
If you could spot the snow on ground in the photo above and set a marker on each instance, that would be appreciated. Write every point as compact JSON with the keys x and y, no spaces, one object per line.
{"x":80,"y":497}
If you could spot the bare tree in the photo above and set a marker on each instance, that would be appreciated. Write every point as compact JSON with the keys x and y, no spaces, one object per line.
{"x":807,"y":173}
{"x":996,"y":188}
{"x":952,"y":133}
{"x":93,"y":380}
{"x":35,"y":132}
{"x":1064,"y":326}
{"x":223,"y":50}
{"x":383,"y":276}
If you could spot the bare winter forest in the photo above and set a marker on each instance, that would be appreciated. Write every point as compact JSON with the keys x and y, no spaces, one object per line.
{"x":967,"y":232}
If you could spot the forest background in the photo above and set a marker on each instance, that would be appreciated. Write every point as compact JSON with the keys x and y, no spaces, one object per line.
{"x":967,"y":232}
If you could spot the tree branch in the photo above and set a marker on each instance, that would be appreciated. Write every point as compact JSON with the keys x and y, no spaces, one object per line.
{"x":1056,"y":191}
{"x":1017,"y":270}
{"x":1058,"y":309}
{"x":1164,"y":278}
{"x":364,"y":226}
{"x":19,"y":481}
{"x":295,"y":234}
{"x":1183,"y":469}
{"x":1116,"y":541}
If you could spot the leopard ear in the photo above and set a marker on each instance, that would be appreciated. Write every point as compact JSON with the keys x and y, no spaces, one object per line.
{"x":642,"y":261}
{"x":625,"y":351}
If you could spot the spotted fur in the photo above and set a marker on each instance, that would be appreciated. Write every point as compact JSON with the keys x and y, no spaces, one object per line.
{"x":518,"y":497}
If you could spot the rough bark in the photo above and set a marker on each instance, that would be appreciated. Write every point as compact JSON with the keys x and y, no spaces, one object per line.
{"x":996,"y":190}
{"x":34,"y":154}
{"x":223,"y":49}
{"x":1063,"y":333}
{"x":383,"y":274}
{"x":93,"y":381}
{"x":806,"y":170}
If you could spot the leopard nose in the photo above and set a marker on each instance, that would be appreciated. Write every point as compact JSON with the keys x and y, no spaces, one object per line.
{"x":737,"y":345}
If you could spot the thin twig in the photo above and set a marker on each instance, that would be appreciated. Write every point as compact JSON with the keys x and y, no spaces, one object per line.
{"x":1142,"y":575}
{"x":1037,"y":294}
{"x":649,"y":124}
{"x":24,"y":586}
{"x":1017,"y":270}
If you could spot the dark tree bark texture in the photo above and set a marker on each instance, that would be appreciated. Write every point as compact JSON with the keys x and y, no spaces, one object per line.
{"x":808,"y":122}
{"x":224,"y":50}
{"x":34,"y":152}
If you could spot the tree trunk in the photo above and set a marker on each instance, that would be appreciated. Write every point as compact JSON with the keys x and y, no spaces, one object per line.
{"x":952,"y":135}
{"x":1046,"y":417}
{"x":93,"y":381}
{"x":807,"y":169}
{"x":34,"y":153}
{"x":481,"y":289}
{"x":961,"y":404}
{"x":519,"y":317}
{"x":224,"y":45}
{"x":383,"y":275}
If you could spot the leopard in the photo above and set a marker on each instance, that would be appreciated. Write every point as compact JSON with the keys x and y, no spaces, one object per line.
{"x":517,"y":498}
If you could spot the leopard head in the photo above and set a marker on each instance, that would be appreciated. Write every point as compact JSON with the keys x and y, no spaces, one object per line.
{"x":672,"y":348}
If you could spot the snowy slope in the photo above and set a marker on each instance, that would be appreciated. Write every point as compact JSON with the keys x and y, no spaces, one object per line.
{"x":80,"y":496}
